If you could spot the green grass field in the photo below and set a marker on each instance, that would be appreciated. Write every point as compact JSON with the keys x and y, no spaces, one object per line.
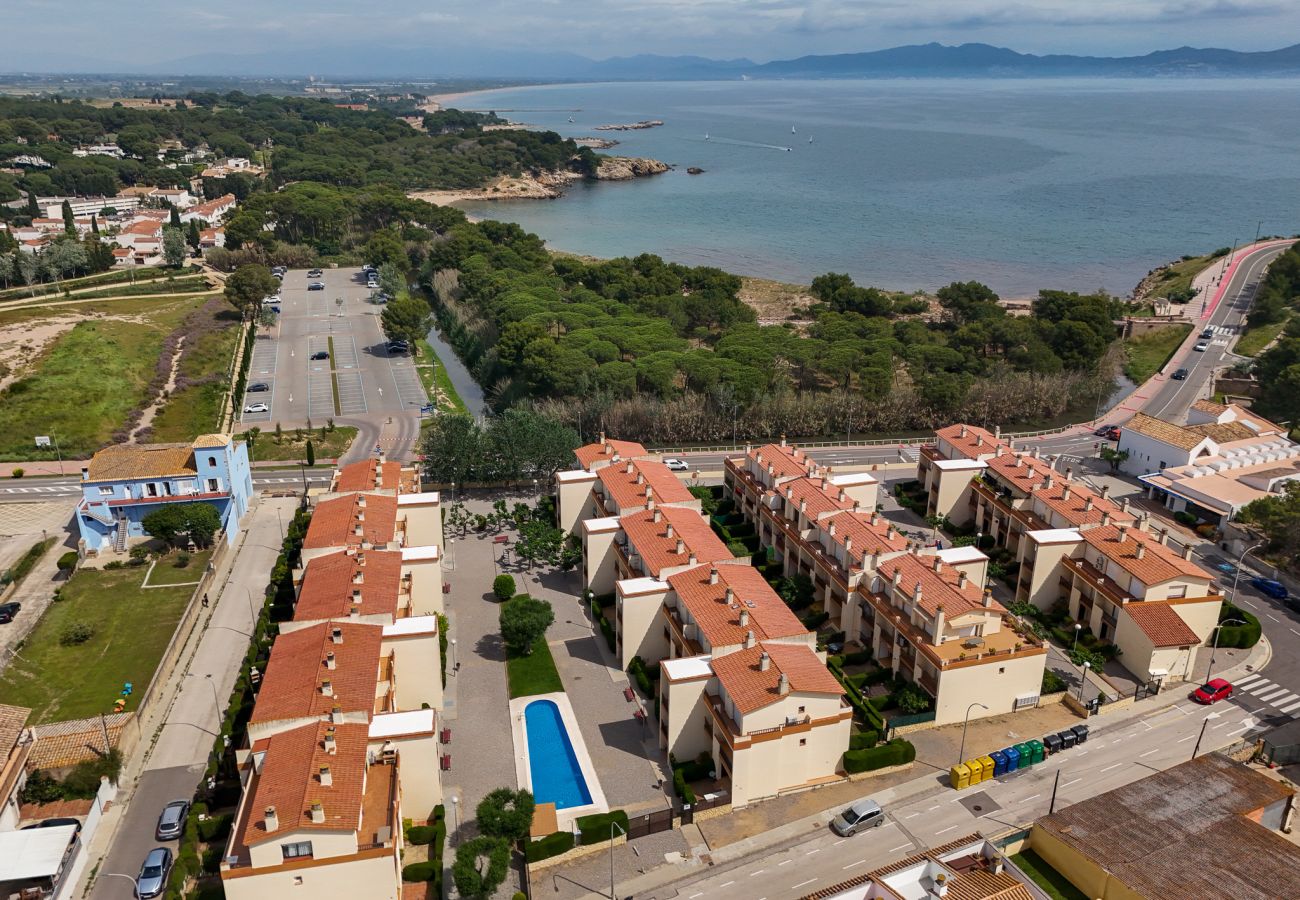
{"x":132,"y":627}
{"x":291,"y":448}
{"x":117,"y":276}
{"x":1178,"y":277}
{"x":1052,"y":882}
{"x":533,"y":674}
{"x":194,"y":409}
{"x":166,"y":570}
{"x":1146,"y":354}
{"x":1254,"y":340}
{"x":436,"y":381}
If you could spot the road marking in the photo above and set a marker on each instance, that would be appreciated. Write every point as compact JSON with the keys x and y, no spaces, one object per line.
{"x":759,"y":872}
{"x":1220,"y":725}
{"x":1149,"y":752}
{"x":1184,"y":740}
{"x":1273,"y":617}
{"x":693,"y":896}
{"x":933,"y":808}
{"x":728,"y":884}
{"x":912,"y":816}
{"x":852,"y":864}
{"x":1082,"y":753}
{"x":1249,"y":678}
{"x":840,"y":841}
{"x":811,"y":852}
{"x":1289,"y":707}
{"x":1293,"y":631}
{"x":1071,"y":781}
{"x":793,"y":886}
{"x":1248,"y":603}
{"x":1116,"y":766}
{"x":899,"y":847}
{"x":946,"y":830}
{"x":786,"y":863}
{"x":1034,"y":797}
{"x":1268,"y":696}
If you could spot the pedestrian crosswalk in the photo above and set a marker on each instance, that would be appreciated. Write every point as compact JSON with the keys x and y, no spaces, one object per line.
{"x":1270,"y":693}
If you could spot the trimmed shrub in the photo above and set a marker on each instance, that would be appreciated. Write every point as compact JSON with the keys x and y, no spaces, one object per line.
{"x":1052,"y":683}
{"x":503,"y":586}
{"x":596,"y":828}
{"x":817,"y":620}
{"x":1238,"y":636}
{"x":638,"y":672}
{"x":605,"y":627}
{"x":1183,"y":517}
{"x":551,"y":845}
{"x":68,"y":561}
{"x":470,"y":882}
{"x":506,"y":813}
{"x":421,"y":871}
{"x":895,"y":753}
{"x":215,"y":828}
{"x":864,"y":739}
{"x":857,"y":658}
{"x":17,"y":473}
{"x":75,"y":633}
{"x":681,"y":788}
{"x":419,"y":834}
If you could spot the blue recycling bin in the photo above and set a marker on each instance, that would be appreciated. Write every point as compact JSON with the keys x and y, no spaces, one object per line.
{"x":999,"y":763}
{"x":1013,"y":758}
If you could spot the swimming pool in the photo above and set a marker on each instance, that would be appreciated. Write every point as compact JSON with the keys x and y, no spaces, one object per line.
{"x":552,"y":765}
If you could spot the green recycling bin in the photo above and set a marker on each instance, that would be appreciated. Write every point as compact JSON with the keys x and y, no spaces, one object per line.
{"x":1036,"y":748}
{"x":1026,"y":756}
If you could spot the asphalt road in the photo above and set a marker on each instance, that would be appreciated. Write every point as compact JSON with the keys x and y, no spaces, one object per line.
{"x":54,"y":488}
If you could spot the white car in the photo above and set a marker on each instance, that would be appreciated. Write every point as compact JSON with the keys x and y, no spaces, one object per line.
{"x":274,"y":298}
{"x":676,"y":465}
{"x":372,"y":284}
{"x":257,"y":408}
{"x":1201,"y":347}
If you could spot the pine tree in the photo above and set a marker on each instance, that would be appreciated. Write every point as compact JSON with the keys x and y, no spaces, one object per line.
{"x":33,"y":209}
{"x":176,"y":217}
{"x":94,"y":225}
{"x":195,"y":236}
{"x":69,"y":220}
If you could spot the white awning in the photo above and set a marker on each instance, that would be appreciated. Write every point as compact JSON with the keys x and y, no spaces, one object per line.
{"x":34,"y":853}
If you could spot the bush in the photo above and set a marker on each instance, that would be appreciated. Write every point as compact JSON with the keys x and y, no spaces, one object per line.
{"x":737,"y":549}
{"x":597,"y":827}
{"x":470,"y":882}
{"x":419,"y":834}
{"x":605,"y":628}
{"x":696,"y":769}
{"x":1238,"y":636}
{"x":114,"y":564}
{"x":68,"y":561}
{"x":912,"y":699}
{"x":638,"y":672}
{"x":551,"y":845}
{"x":503,"y":586}
{"x":1183,"y":517}
{"x":895,"y":753}
{"x":857,"y":658}
{"x":524,"y":621}
{"x":182,"y":560}
{"x":864,"y":739}
{"x":421,"y":871}
{"x":1052,"y":683}
{"x":816,"y":620}
{"x":681,"y":788}
{"x":17,"y":473}
{"x":215,"y":828}
{"x":75,"y":633}
{"x":506,"y":813}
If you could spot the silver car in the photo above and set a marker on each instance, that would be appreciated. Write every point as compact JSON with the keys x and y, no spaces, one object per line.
{"x":154,"y":873}
{"x":861,"y":815}
{"x":172,"y":821}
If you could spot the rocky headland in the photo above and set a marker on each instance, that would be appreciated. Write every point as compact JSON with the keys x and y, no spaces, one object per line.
{"x":547,"y":185}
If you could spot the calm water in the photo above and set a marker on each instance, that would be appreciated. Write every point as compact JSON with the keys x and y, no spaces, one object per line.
{"x":1074,"y":184}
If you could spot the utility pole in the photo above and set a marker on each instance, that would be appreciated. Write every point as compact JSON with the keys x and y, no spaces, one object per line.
{"x":1197,"y":748}
{"x":1055,"y":784}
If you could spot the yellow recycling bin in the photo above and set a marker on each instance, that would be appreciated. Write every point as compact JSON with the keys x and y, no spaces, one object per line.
{"x":989,"y":766}
{"x":976,"y":771}
{"x":960,"y":776}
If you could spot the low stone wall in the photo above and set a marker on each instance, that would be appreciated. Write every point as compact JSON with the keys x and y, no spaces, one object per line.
{"x":887,"y":770}
{"x":1052,"y":699}
{"x":705,"y":815}
{"x":577,"y":853}
{"x":904,"y":730}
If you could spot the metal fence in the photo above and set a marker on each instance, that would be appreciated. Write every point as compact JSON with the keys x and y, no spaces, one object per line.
{"x":893,"y":722}
{"x":649,"y":823}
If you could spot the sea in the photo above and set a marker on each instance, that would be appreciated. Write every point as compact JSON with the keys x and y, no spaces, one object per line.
{"x":909,"y":184}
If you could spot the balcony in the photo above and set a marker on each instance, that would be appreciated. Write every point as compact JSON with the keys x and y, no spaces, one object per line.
{"x":1093,"y":578}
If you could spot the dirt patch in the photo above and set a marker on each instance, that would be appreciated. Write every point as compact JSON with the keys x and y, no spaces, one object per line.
{"x":22,"y":343}
{"x":775,"y":302}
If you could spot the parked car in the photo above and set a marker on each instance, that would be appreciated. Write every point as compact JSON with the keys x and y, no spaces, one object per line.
{"x":1202,"y":347}
{"x":1212,"y":692}
{"x":172,"y":821}
{"x":398,"y":347}
{"x":257,"y":408}
{"x":258,"y":387}
{"x":321,"y":354}
{"x":861,"y":815}
{"x":8,"y":611}
{"x":676,"y":465}
{"x":316,"y":286}
{"x":1180,"y":375}
{"x":55,"y":823}
{"x":372,"y":284}
{"x":314,"y":273}
{"x":1103,"y":431}
{"x":1275,"y":589}
{"x":154,"y":873}
{"x":1207,"y":334}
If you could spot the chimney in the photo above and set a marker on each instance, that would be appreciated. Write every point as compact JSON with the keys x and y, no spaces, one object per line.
{"x":764,"y":661}
{"x":640,"y":478}
{"x":668,"y":532}
{"x":361,"y":501}
{"x":843,"y":495}
{"x":875,"y":561}
{"x":857,"y":505}
{"x":997,"y":432}
{"x":603,"y":441}
{"x":356,"y":593}
{"x":317,"y":813}
{"x":1047,"y":482}
{"x":336,"y":716}
{"x":1065,"y":492}
{"x":1069,"y":472}
{"x":962,"y":578}
{"x":1000,"y":451}
{"x":744,"y":617}
{"x":1187,"y":551}
{"x":979,"y":440}
{"x":713,"y":575}
{"x":692,"y":559}
{"x":628,"y":468}
{"x":329,"y":660}
{"x":649,"y":494}
{"x":336,"y":634}
{"x":331,"y":747}
{"x":1105,"y":518}
{"x":897,"y":578}
{"x":1105,"y":491}
{"x":327,"y":688}
{"x":1124,"y":504}
{"x":650,"y":504}
{"x":1123,"y":533}
{"x":358,"y":531}
{"x":916,"y":593}
{"x":848,"y":544}
{"x":658,"y":515}
{"x":988,"y":598}
{"x":1087,"y":505}
{"x":803,"y":506}
{"x":831,"y":530}
{"x":783,"y":440}
{"x":962,"y":433}
{"x":937,"y":565}
{"x":789,"y":493}
{"x":1163,"y":536}
{"x":749,"y":640}
{"x":731,"y":596}
{"x":875,"y":518}
{"x":783,"y":684}
{"x":270,"y":819}
{"x":326,"y":777}
{"x":681,"y":547}
{"x":1141,"y":550}
{"x":1038,"y":452}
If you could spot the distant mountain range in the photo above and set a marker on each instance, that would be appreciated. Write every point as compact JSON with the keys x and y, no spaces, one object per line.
{"x":923,"y":60}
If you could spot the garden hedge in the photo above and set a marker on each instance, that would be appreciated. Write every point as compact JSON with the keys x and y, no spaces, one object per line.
{"x":551,"y":845}
{"x":894,"y":753}
{"x":1238,"y":636}
{"x":864,"y":739}
{"x":596,"y":828}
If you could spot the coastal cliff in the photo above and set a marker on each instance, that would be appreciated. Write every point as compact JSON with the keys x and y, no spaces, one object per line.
{"x":547,"y":185}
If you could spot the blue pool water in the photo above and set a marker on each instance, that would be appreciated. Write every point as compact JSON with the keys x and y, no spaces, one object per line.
{"x":552,"y":764}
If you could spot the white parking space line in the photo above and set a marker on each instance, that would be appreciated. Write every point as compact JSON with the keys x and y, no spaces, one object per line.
{"x":1249,"y":678}
{"x":852,"y":864}
{"x":946,"y":830}
{"x":1149,"y":752}
{"x":793,"y":886}
{"x":1072,"y":781}
{"x":786,"y":863}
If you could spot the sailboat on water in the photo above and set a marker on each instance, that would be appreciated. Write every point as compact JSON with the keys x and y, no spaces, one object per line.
{"x":570,"y":119}
{"x":706,"y":135}
{"x":810,"y":139}
{"x":792,"y":131}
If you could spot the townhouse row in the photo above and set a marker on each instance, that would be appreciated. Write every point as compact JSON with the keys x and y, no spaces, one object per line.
{"x":343,"y":742}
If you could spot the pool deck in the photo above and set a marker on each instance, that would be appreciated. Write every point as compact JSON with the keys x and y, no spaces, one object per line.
{"x":523,"y":772}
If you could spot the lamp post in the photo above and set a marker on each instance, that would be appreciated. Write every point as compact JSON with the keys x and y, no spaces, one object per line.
{"x":453,"y":654}
{"x":1083,"y":679}
{"x":135,"y":887}
{"x":1236,"y":577}
{"x":961,"y":752}
{"x":455,"y":814}
{"x":1215,"y":647}
{"x":612,"y":826}
{"x":1078,"y":626}
{"x":252,"y":607}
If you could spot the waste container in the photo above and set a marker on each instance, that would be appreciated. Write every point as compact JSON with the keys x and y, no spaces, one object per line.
{"x":989,"y":766}
{"x":1013,"y":758}
{"x":1052,"y":744}
{"x":976,"y":767}
{"x":1068,"y":739}
{"x":1037,"y":752}
{"x":1026,"y":755}
{"x":960,"y":776}
{"x":999,"y":763}
{"x":1080,"y":732}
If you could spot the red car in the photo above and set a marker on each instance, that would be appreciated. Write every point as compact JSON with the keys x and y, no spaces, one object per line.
{"x":1214,"y":691}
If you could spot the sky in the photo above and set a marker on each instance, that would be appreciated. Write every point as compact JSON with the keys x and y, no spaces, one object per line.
{"x":76,"y":35}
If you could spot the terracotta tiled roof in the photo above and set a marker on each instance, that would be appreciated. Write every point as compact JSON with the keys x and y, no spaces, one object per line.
{"x":1165,"y":432}
{"x":660,"y":551}
{"x":1158,"y":563}
{"x":815,"y":494}
{"x":750,"y":688}
{"x":1161,"y":623}
{"x":974,"y":442}
{"x":210,"y":441}
{"x":1224,"y":433}
{"x":785,"y":460}
{"x":368,"y":475}
{"x":146,"y":227}
{"x":60,"y":744}
{"x":897,"y":866}
{"x":867,"y":538}
{"x":1209,"y":407}
{"x":1152,"y":835}
{"x":1020,"y":470}
{"x":941,"y":587}
{"x":290,"y":781}
{"x":334,"y":522}
{"x":125,"y":461}
{"x":12,"y":721}
{"x":297,"y":671}
{"x":606,"y":451}
{"x":767,"y":614}
{"x":1082,"y":507}
{"x":329,"y":582}
{"x":626,"y":483}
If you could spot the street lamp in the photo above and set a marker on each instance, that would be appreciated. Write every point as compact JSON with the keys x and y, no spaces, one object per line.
{"x":1083,"y":679}
{"x":1218,"y":629}
{"x":1078,"y":626}
{"x":612,"y":826}
{"x":135,"y":887}
{"x":453,"y":654}
{"x":1236,"y":578}
{"x":961,"y":752}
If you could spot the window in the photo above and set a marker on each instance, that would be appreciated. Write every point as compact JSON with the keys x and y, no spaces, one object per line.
{"x":297,"y":880}
{"x":213,"y":485}
{"x":1002,"y":670}
{"x":151,"y":489}
{"x":212,"y":461}
{"x":294,"y":851}
{"x":106,"y":492}
{"x":803,"y":742}
{"x":801,"y":710}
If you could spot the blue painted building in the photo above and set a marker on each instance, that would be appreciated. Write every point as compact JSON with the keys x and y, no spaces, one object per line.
{"x":124,"y":483}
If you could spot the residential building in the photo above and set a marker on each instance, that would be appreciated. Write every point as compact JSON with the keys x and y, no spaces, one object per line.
{"x":932,"y":622}
{"x":112,"y":150}
{"x":381,"y":521}
{"x":969,"y":868}
{"x":375,"y":586}
{"x":15,"y":748}
{"x":82,"y":207}
{"x":770,"y":715}
{"x":617,"y":489}
{"x":212,"y":237}
{"x":1223,"y":458}
{"x":231,"y":166}
{"x":124,"y":483}
{"x":178,"y":198}
{"x":1206,"y":829}
{"x":657,"y":542}
{"x":378,"y":475}
{"x":593,"y":456}
{"x":211,"y":211}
